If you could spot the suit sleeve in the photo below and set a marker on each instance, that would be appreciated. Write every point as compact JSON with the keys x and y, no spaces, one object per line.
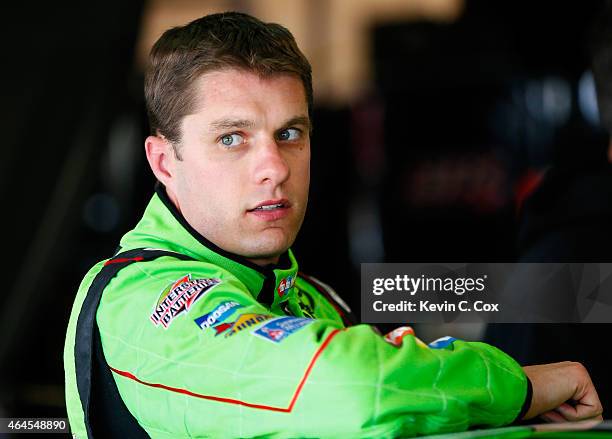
{"x":222,"y":365}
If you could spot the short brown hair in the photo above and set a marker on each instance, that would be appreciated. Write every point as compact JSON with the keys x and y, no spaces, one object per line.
{"x":214,"y":42}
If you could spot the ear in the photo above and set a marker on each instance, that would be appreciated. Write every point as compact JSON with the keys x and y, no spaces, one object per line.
{"x":161,"y":157}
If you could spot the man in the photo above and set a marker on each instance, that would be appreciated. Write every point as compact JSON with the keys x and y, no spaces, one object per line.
{"x":207,"y":329}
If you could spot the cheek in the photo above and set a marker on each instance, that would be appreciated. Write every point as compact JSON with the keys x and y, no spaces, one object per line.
{"x":219,"y":187}
{"x":195,"y":183}
{"x":301,"y":172}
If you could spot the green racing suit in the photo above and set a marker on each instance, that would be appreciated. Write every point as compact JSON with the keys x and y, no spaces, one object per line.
{"x":203,"y":343}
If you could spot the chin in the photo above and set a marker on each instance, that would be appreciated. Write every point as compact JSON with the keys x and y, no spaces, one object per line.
{"x":268,"y":249}
{"x":267,"y":253}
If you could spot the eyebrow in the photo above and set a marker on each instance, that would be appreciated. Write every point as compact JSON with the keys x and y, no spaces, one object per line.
{"x":298,"y":120}
{"x":229,"y":123}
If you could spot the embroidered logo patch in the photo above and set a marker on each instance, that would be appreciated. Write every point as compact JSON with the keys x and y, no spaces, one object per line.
{"x":244,"y":321}
{"x":395,"y":337}
{"x":178,"y":298}
{"x":441,"y":343}
{"x":279,"y":329}
{"x":285,"y":285}
{"x":217,"y":315}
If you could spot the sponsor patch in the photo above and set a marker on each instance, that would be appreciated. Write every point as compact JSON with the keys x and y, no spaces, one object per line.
{"x":244,"y":321}
{"x":217,"y":315}
{"x":178,"y":297}
{"x":395,"y":337}
{"x":441,"y":343}
{"x":285,"y":285}
{"x":222,"y":328}
{"x":279,"y":329}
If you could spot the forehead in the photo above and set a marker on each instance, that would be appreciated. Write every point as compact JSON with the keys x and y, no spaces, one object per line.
{"x":248,"y":91}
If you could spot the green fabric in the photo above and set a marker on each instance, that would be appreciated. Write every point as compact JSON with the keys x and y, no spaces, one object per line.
{"x":321,"y":380}
{"x":518,"y":432}
{"x":531,"y":431}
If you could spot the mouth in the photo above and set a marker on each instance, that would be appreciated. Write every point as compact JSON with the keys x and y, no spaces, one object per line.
{"x":271,"y":210}
{"x":270,"y":205}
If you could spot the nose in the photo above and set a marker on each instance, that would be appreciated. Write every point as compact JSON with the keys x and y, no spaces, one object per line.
{"x":270,"y":165}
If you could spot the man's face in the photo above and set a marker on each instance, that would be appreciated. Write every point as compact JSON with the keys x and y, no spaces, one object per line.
{"x":245,"y":170}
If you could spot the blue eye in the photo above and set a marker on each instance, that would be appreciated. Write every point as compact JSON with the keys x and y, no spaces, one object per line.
{"x":230,"y":140}
{"x":289,"y":134}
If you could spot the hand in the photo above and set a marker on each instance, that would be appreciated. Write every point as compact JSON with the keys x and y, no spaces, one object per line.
{"x":562,"y":392}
